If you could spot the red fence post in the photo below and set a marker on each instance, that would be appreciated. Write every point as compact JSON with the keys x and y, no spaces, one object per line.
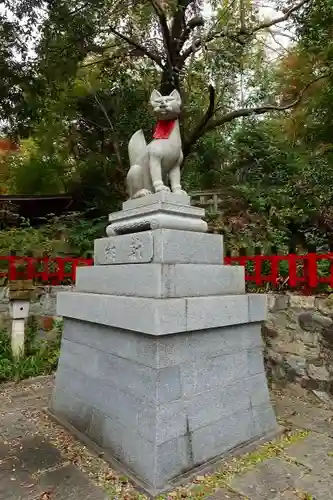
{"x":310,"y":271}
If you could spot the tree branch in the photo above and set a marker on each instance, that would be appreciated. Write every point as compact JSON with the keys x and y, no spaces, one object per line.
{"x":197,"y":132}
{"x":164,"y":28}
{"x":178,"y":21}
{"x":281,"y":19}
{"x":228,"y":117}
{"x":193,"y":23}
{"x":236,"y":36}
{"x":154,"y":57}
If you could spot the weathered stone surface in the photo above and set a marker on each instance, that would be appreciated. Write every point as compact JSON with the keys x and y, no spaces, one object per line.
{"x":269,"y":332}
{"x":311,"y":418}
{"x":295,"y":364}
{"x":14,"y":425}
{"x":277,"y":302}
{"x":268,"y":479}
{"x":317,"y":487}
{"x":314,"y":452}
{"x":16,"y":483}
{"x":69,"y":483}
{"x":224,"y":494}
{"x":311,"y":321}
{"x":36,"y":454}
{"x":301,"y":301}
{"x":318,"y":372}
{"x":327,"y":333}
{"x":325,"y":305}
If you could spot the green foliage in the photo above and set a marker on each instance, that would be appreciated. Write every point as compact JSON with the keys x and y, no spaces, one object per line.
{"x":70,"y":235}
{"x":41,"y":356}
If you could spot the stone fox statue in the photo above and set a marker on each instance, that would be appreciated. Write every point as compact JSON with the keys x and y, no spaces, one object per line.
{"x":155,"y":165}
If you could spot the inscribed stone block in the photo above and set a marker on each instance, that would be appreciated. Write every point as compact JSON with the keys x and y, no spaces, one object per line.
{"x":169,"y":247}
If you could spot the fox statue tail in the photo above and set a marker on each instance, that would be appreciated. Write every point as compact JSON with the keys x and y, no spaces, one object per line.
{"x":136,"y":147}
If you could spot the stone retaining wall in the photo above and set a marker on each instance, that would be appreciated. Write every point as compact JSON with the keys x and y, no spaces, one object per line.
{"x":298,"y":334}
{"x":299,"y":340}
{"x":42,"y":307}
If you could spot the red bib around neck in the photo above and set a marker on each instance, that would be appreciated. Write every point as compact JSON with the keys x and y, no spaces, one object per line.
{"x":163,"y":129}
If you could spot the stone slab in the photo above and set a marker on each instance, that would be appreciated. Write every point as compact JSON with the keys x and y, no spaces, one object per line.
{"x":36,"y":455}
{"x":258,"y":310}
{"x":314,"y":452}
{"x":16,"y":483}
{"x":161,"y":197}
{"x":163,"y":405}
{"x":14,"y":425}
{"x":268,"y":479}
{"x":316,"y":487}
{"x":69,"y":483}
{"x":167,"y":352}
{"x":161,"y":316}
{"x":158,"y":215}
{"x":146,"y":315}
{"x":143,"y":382}
{"x":166,"y":246}
{"x":224,"y":494}
{"x":161,"y":280}
{"x":219,"y":437}
{"x":157,"y":206}
{"x":157,"y":424}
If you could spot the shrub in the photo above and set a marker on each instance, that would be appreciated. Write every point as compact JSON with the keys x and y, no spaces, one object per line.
{"x":40,"y":358}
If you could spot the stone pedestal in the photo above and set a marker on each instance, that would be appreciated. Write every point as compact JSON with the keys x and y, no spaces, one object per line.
{"x":161,"y":361}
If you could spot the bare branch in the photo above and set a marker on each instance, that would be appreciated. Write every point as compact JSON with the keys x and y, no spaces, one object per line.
{"x":237,"y":36}
{"x":281,"y":19}
{"x":114,"y":139}
{"x":164,"y":28}
{"x":178,"y":21}
{"x":193,"y":23}
{"x":154,"y":57}
{"x":197,"y":132}
{"x":228,"y":117}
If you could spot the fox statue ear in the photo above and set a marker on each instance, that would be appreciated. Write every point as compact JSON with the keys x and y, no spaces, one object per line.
{"x":155,"y":95}
{"x":176,"y":95}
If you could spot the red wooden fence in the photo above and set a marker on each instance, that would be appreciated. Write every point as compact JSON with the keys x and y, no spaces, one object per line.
{"x":307,"y":272}
{"x":304,"y":272}
{"x":46,"y":270}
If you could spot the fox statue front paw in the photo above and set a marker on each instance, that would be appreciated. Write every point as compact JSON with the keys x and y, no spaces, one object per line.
{"x":179,"y":191}
{"x":162,"y":187}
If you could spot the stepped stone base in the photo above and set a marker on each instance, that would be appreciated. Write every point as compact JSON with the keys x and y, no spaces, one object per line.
{"x":163,"y":405}
{"x":161,"y":360}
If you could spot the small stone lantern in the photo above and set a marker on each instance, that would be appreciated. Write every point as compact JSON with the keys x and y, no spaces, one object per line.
{"x":20,"y":293}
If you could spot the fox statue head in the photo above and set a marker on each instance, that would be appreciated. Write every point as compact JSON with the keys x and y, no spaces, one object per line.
{"x":166,"y":107}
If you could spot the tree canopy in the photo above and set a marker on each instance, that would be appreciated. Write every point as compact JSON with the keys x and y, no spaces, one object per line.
{"x":256,"y":121}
